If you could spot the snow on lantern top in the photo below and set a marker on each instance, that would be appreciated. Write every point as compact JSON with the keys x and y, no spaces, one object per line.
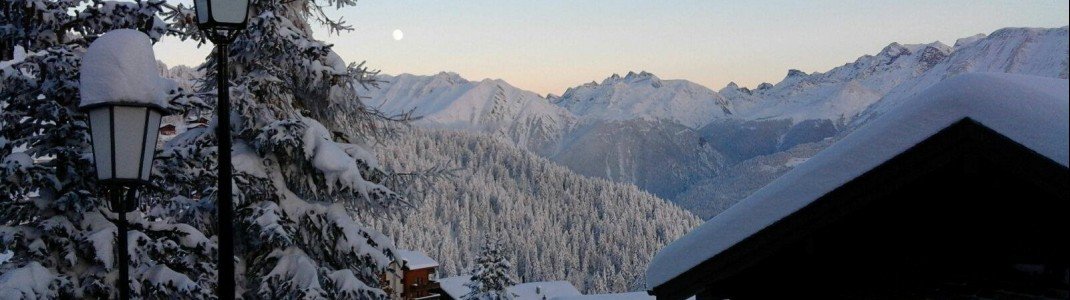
{"x":120,"y":68}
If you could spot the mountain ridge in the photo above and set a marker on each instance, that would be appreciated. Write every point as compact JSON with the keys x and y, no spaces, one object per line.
{"x":653,"y":132}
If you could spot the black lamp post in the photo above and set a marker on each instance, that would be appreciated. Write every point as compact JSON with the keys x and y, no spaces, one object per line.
{"x":124,"y":141}
{"x":124,"y":123}
{"x":221,"y":20}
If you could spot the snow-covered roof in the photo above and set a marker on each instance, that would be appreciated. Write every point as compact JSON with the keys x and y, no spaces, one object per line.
{"x":121,"y":67}
{"x":618,"y":296}
{"x":543,"y":290}
{"x":416,"y":259}
{"x":454,"y":286}
{"x":1032,"y":111}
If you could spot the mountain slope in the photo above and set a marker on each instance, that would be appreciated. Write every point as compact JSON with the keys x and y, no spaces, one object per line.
{"x":659,"y":156}
{"x":446,"y":100}
{"x":557,"y":225}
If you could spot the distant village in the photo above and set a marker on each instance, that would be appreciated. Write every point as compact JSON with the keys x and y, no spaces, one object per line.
{"x":413,"y":277}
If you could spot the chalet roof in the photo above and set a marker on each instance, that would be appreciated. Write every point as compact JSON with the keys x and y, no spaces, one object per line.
{"x":415,"y":260}
{"x":549,"y":289}
{"x":1032,"y":111}
{"x":454,"y":286}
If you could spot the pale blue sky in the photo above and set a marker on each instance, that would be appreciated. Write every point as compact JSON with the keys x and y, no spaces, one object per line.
{"x":549,"y":45}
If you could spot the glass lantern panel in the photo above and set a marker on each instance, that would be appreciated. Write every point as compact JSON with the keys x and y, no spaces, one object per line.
{"x":150,"y":144}
{"x":100,"y":128}
{"x":129,"y":133}
{"x":229,"y":11}
{"x":202,"y":11}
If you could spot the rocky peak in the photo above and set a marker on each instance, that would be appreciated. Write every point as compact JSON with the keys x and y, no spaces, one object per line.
{"x":933,"y":54}
{"x":448,"y":78}
{"x":633,"y":77}
{"x":893,"y":51}
{"x":611,"y":79}
{"x":795,"y":73}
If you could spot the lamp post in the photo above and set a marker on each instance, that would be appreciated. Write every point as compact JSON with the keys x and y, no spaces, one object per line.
{"x":119,"y":92}
{"x":221,"y":20}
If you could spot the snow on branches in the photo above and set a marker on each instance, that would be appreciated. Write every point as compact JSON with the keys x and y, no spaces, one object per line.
{"x":492,"y":272}
{"x":302,"y":164}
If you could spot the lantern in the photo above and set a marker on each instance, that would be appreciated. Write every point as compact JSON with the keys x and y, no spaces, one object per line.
{"x":124,"y":141}
{"x":121,"y":93}
{"x":221,"y":14}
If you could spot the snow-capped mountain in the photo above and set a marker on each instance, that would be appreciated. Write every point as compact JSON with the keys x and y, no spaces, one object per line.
{"x":614,"y":134}
{"x":805,"y":108}
{"x":842,"y":92}
{"x":645,"y":96}
{"x":492,"y":106}
{"x":620,"y":128}
{"x":1029,"y":51}
{"x":184,"y":76}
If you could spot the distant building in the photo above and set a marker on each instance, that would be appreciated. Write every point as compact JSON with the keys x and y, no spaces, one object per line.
{"x":412,"y":276}
{"x":453,"y":288}
{"x":962,"y":192}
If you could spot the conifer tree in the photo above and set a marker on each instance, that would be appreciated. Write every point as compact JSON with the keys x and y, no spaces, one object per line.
{"x":492,"y":272}
{"x":52,"y":219}
{"x":302,"y":159}
{"x":302,"y":162}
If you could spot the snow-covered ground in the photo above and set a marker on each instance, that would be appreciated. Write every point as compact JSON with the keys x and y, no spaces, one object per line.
{"x":454,"y":286}
{"x":617,"y":296}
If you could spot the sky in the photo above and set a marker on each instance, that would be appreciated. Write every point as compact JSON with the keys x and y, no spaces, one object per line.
{"x":547,"y":46}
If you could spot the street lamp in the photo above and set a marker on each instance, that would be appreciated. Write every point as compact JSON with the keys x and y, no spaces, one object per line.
{"x":221,"y":20}
{"x":120,"y":93}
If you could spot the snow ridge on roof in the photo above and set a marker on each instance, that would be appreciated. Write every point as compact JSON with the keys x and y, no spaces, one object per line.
{"x":1030,"y":110}
{"x":416,"y":259}
{"x":617,"y":296}
{"x":454,"y":286}
{"x":541,"y":289}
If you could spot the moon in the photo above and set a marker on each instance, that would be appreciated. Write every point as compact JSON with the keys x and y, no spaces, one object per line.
{"x":398,"y":35}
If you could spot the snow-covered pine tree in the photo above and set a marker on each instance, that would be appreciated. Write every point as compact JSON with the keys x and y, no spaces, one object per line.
{"x":491,"y":273}
{"x":297,"y":182}
{"x":302,"y":162}
{"x":51,"y":217}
